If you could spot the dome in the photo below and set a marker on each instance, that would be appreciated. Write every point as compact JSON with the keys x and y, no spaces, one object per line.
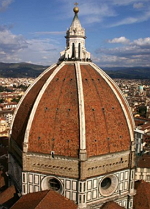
{"x":71,"y":107}
{"x":72,"y":132}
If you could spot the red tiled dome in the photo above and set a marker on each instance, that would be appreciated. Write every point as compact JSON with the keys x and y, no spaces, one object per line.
{"x":73,"y":131}
{"x":73,"y":106}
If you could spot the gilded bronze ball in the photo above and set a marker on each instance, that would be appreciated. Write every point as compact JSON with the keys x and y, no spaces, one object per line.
{"x":76,"y":9}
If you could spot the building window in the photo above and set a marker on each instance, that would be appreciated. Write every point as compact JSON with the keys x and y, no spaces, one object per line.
{"x":23,"y":189}
{"x":79,"y":50}
{"x":73,"y":50}
{"x":54,"y":184}
{"x":148,"y":178}
{"x":106,"y":183}
{"x":83,"y":198}
{"x":131,"y":185}
{"x":23,"y":177}
{"x":80,"y":187}
{"x":131,"y":204}
{"x":80,"y":198}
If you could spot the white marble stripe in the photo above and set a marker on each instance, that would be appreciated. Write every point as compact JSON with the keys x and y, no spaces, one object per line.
{"x":107,"y":79}
{"x":25,"y":148}
{"x":122,"y":98}
{"x":81,"y":107}
{"x":26,"y":92}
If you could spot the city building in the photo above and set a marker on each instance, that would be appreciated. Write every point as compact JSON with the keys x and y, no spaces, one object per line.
{"x":7,"y":115}
{"x":4,"y":130}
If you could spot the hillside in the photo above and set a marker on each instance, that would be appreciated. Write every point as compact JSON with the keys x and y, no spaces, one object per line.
{"x":20,"y":70}
{"x":31,"y":70}
{"x":129,"y":72}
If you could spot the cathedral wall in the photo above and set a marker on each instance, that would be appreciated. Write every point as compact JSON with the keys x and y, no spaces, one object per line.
{"x":34,"y":182}
{"x":83,"y":192}
{"x":16,"y":151}
{"x":124,"y":202}
{"x":15,"y":172}
{"x":69,"y":167}
{"x":94,"y":192}
{"x":49,"y":164}
{"x":142,"y":174}
{"x":104,"y":164}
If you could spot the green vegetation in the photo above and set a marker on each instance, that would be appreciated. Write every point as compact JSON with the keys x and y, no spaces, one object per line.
{"x":2,"y":100}
{"x":23,"y":87}
{"x":20,"y":70}
{"x":17,"y":99}
{"x":5,"y":89}
{"x":2,"y":88}
{"x":26,"y":70}
{"x":142,"y":111}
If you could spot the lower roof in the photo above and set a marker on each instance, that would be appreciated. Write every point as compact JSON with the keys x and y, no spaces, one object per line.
{"x":45,"y":199}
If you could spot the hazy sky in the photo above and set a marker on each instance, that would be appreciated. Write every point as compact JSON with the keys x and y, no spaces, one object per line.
{"x":118,"y":31}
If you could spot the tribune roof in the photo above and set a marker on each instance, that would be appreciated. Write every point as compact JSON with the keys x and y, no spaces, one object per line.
{"x":142,"y":198}
{"x":111,"y":205}
{"x":44,"y":199}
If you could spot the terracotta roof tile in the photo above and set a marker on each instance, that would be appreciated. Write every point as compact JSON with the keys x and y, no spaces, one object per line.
{"x":30,"y":200}
{"x":56,"y":123}
{"x":44,"y":199}
{"x":142,"y":197}
{"x":2,"y":179}
{"x":59,"y":108}
{"x":111,"y":205}
{"x":7,"y":194}
{"x":106,"y":126}
{"x":23,"y":113}
{"x":144,"y":161}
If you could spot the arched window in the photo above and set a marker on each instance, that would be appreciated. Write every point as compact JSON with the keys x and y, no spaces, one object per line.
{"x":79,"y":50}
{"x":54,"y":184}
{"x":73,"y":50}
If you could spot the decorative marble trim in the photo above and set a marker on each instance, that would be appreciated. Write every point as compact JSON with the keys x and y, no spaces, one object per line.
{"x":25,"y":148}
{"x":26,"y":92}
{"x":81,"y":112}
{"x":107,"y":79}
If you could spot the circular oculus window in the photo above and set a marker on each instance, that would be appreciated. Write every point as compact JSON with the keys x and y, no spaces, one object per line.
{"x":108,"y":185}
{"x":52,"y":183}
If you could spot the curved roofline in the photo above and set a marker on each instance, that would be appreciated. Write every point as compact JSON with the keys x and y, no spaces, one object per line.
{"x":107,"y":79}
{"x":26,"y":137}
{"x":81,"y":99}
{"x":27,"y":91}
{"x":83,"y":154}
